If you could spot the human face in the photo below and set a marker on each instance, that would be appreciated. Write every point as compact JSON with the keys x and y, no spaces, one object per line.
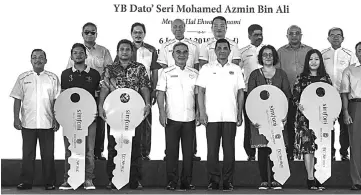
{"x":178,"y":28}
{"x":267,"y":57}
{"x":335,"y":38}
{"x":358,"y":53}
{"x":256,"y":37}
{"x":180,"y":55}
{"x":125,"y":51}
{"x":78,"y":55}
{"x":38,"y":60}
{"x":222,"y":51}
{"x":314,"y":61}
{"x":294,"y":35}
{"x":219,"y":28}
{"x":89,"y":33}
{"x":138,"y":34}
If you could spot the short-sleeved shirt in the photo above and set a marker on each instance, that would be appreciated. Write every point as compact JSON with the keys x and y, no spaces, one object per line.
{"x":335,"y":63}
{"x":37,"y":94}
{"x":180,"y":88}
{"x":134,"y":76}
{"x":292,"y":60}
{"x":351,"y":81}
{"x":146,"y":55}
{"x":98,"y":58}
{"x":221,"y":88}
{"x":207,"y":51}
{"x":249,"y":61}
{"x":88,"y":79}
{"x":166,"y":57}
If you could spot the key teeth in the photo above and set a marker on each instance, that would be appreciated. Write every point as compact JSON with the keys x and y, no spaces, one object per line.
{"x":279,"y":176}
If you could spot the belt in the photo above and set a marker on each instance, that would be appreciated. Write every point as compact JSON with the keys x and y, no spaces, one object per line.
{"x":355,"y":100}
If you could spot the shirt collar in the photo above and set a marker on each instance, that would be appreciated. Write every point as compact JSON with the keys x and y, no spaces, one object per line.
{"x":289,"y":46}
{"x":42,"y":72}
{"x":90,"y":48}
{"x":87,"y":69}
{"x":141,"y":45}
{"x":220,"y":65}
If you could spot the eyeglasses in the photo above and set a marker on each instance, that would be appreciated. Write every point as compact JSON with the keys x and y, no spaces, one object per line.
{"x":335,"y":36}
{"x":294,"y":33}
{"x":40,"y":58}
{"x":178,"y":52}
{"x":267,"y":55}
{"x":90,"y":32}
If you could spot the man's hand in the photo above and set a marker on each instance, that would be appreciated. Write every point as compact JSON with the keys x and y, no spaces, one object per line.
{"x":56,"y":126}
{"x":101,"y":113}
{"x":300,"y":107}
{"x":203,"y":119}
{"x":163,"y":118}
{"x":153,"y":97}
{"x":257,"y":125}
{"x":198,"y":123}
{"x":239,"y":120}
{"x":347,"y":118}
{"x":17,"y":123}
{"x":146,"y":110}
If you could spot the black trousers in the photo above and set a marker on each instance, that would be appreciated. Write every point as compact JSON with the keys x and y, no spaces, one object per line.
{"x":176,"y":131}
{"x":46,"y":141}
{"x":214,"y":132}
{"x":290,"y":126}
{"x":146,"y":135}
{"x":99,"y":137}
{"x":136,"y":158}
{"x":247,"y":132}
{"x":194,"y":144}
{"x":344,"y":139}
{"x":263,"y":161}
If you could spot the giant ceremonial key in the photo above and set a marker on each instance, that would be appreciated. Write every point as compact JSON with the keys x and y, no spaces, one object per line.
{"x":124,"y":109}
{"x":267,"y":105}
{"x":322,"y":105}
{"x":75,"y":110}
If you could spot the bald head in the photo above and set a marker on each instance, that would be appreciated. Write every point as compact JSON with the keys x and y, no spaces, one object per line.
{"x":178,"y":29}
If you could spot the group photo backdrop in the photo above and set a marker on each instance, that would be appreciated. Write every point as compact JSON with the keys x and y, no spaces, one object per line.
{"x":55,"y":26}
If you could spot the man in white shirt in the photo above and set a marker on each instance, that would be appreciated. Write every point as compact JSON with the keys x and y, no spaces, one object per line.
{"x":176,"y":86}
{"x":220,"y":99}
{"x":98,"y":58}
{"x":166,"y":58}
{"x":336,"y":59}
{"x":248,"y":63}
{"x":35,"y":92}
{"x":207,"y":51}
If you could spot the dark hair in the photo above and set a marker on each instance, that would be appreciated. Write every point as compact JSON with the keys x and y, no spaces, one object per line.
{"x":138,"y":24}
{"x":274,"y":54}
{"x":179,"y":44}
{"x":222,"y":41}
{"x":35,"y":50}
{"x":253,"y":27}
{"x":359,"y":43}
{"x":335,"y":28}
{"x":321,"y":71}
{"x":219,"y":18}
{"x":77,"y":45}
{"x":126,"y":41}
{"x":90,"y":24}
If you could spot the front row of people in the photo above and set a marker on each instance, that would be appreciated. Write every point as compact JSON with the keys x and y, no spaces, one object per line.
{"x":180,"y":90}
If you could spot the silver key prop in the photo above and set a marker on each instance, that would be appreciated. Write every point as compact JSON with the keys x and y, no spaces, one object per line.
{"x":124,"y":109}
{"x":322,"y":106}
{"x":267,"y":105}
{"x":75,"y":109}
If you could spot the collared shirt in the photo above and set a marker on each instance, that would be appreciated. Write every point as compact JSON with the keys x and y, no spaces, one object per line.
{"x":335,"y":63}
{"x":37,"y":94}
{"x":292,"y":61}
{"x":221,"y":88}
{"x":207,"y":51}
{"x":146,"y":55}
{"x":179,"y":86}
{"x":249,"y":60}
{"x":98,"y":58}
{"x":88,"y":79}
{"x":133,"y":77}
{"x":166,"y":57}
{"x":351,"y":81}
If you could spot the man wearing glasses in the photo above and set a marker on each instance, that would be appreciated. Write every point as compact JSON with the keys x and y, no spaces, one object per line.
{"x":336,"y":59}
{"x":248,"y":63}
{"x":97,"y":58}
{"x":292,"y":60}
{"x":207,"y":52}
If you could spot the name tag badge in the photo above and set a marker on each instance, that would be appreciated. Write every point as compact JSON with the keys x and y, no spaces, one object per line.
{"x":231,"y":72}
{"x":173,"y":76}
{"x":191,"y":76}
